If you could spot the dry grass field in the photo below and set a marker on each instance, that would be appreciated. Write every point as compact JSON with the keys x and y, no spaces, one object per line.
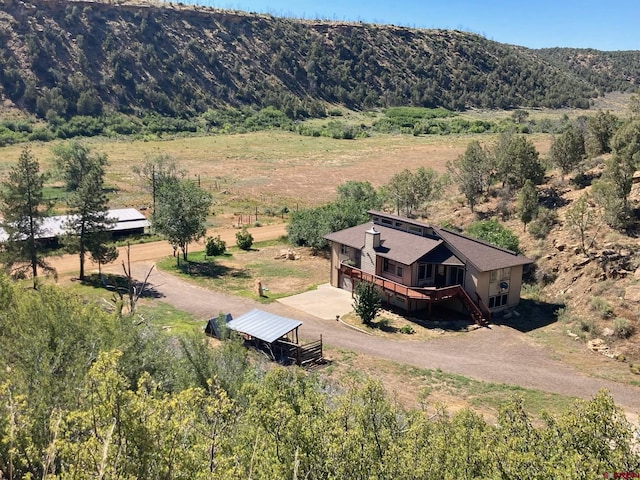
{"x":270,"y":168}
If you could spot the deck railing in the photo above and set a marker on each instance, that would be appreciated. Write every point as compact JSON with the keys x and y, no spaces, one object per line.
{"x":480,"y":313}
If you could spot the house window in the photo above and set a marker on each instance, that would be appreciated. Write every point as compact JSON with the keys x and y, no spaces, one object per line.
{"x":392,"y":267}
{"x":493,"y":276}
{"x":417,"y":230}
{"x":425,"y":271}
{"x":386,"y":221}
{"x":344,"y":250}
{"x":498,"y":301}
{"x":506,"y":273}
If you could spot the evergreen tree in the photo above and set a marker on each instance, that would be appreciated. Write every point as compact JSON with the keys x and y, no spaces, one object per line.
{"x":600,"y":130}
{"x":88,"y":215}
{"x":567,"y":150}
{"x":23,"y":210}
{"x":472,"y":172}
{"x":527,"y":203}
{"x":517,"y":161}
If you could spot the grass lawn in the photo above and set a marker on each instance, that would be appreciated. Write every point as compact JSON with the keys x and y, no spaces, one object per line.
{"x":237,"y":272}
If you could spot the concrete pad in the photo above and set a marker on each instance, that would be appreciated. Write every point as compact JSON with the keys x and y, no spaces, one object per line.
{"x":325,"y":302}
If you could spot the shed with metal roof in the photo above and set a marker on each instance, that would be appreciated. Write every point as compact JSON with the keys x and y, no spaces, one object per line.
{"x":265,"y":326}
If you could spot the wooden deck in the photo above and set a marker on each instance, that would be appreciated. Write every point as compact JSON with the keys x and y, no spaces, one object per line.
{"x":478,"y":311}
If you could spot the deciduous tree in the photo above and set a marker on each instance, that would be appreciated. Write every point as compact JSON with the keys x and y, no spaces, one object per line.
{"x":181,"y":213}
{"x":579,"y":217}
{"x":366,"y":303}
{"x":75,"y":160}
{"x":494,"y":232}
{"x":411,"y":190}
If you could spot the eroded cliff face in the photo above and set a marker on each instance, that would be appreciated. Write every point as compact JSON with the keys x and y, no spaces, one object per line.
{"x":74,"y":58}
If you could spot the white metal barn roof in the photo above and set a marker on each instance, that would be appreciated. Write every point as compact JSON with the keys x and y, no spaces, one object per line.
{"x":263,"y":325}
{"x":126,"y":219}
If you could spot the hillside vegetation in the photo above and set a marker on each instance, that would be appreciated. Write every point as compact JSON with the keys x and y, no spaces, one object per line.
{"x":60,"y":59}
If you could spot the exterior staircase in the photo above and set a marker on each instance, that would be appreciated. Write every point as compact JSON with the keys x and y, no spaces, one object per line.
{"x":478,"y":311}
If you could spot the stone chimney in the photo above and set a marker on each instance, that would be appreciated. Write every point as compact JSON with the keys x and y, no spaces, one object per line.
{"x":368,"y":258}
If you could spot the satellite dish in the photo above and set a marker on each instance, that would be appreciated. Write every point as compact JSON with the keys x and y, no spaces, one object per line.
{"x":504,"y":285}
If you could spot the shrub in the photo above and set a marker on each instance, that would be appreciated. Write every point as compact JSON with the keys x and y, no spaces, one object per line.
{"x":602,"y":307}
{"x":493,"y":232}
{"x":622,"y":328}
{"x":589,"y":326}
{"x":545,"y":276}
{"x":407,"y":329}
{"x":544,"y":222}
{"x":366,"y":302}
{"x":244,"y":240}
{"x":215,"y":246}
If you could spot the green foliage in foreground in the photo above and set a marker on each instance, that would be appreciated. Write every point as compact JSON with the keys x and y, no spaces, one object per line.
{"x":85,"y":394}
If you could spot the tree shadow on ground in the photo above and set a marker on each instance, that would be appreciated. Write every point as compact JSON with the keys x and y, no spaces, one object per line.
{"x":551,"y":198}
{"x":384,"y":325}
{"x":119,"y":284}
{"x":211,"y":270}
{"x":440,"y":318}
{"x":530,"y":315}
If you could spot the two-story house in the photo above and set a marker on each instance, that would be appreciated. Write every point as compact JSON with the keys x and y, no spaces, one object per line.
{"x":417,"y":265}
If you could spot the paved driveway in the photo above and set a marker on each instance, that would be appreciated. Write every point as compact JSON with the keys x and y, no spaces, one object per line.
{"x":325,"y":302}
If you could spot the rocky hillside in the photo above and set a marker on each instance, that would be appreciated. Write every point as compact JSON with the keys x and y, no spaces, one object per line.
{"x":65,"y":58}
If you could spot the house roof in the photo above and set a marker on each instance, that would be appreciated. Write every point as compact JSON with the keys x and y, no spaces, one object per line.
{"x":451,"y":248}
{"x":442,"y":255}
{"x":263,"y":325}
{"x":395,"y":245}
{"x":124,"y":218}
{"x":482,"y":255}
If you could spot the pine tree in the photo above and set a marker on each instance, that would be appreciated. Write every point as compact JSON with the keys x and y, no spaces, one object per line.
{"x":88,"y":215}
{"x":23,"y":209}
{"x":472,"y":172}
{"x":527,"y":203}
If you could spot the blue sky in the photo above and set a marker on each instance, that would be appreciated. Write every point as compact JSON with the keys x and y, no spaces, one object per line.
{"x":601,"y":24}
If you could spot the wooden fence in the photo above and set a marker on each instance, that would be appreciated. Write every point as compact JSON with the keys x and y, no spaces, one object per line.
{"x":300,"y":354}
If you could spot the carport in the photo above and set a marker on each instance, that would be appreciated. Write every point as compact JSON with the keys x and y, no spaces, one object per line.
{"x":276,"y":335}
{"x":266,"y":326}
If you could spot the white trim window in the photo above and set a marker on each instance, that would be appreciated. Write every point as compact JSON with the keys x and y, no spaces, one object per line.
{"x":498,"y":301}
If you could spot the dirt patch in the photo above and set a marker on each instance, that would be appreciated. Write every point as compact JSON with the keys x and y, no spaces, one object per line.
{"x":279,"y":276}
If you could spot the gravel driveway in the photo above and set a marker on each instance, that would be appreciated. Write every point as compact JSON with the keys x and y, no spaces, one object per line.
{"x":497,"y":354}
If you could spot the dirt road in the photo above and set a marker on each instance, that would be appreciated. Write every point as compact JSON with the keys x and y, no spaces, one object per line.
{"x":497,"y":354}
{"x":149,"y":252}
